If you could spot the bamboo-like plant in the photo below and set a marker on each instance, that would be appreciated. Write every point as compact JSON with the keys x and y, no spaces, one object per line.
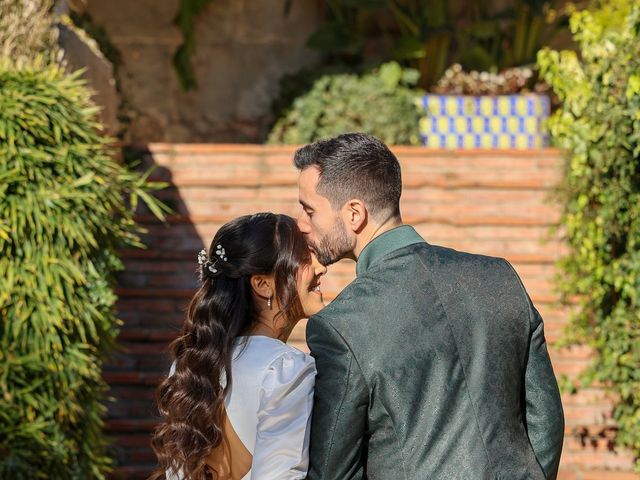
{"x":430,"y":35}
{"x":65,"y":207}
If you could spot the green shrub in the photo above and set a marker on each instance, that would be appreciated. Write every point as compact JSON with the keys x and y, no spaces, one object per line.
{"x":379,"y":102}
{"x":599,"y":125}
{"x":65,"y":206}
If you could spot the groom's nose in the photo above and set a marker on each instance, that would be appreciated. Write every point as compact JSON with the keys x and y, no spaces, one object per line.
{"x":303,"y":224}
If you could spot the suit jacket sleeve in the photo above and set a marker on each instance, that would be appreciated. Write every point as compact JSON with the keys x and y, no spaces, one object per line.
{"x":542,"y":406}
{"x":340,"y":407}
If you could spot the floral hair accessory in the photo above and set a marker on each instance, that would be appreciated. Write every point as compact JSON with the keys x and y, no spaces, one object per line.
{"x":221,"y":252}
{"x":205,"y":264}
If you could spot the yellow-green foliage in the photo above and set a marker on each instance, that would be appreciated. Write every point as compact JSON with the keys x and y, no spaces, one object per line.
{"x":599,"y":125}
{"x":65,"y":206}
{"x":380,"y":102}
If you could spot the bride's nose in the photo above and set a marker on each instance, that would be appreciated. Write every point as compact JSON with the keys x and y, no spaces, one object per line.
{"x":320,"y":269}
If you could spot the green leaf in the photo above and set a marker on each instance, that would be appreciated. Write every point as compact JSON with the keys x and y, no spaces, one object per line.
{"x":329,"y":37}
{"x":391,"y":74}
{"x":408,"y":47}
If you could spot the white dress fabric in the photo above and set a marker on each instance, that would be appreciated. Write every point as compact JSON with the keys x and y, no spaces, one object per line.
{"x":269,"y":406}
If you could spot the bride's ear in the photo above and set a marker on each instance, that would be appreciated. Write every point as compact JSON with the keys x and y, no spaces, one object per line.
{"x":263,"y":286}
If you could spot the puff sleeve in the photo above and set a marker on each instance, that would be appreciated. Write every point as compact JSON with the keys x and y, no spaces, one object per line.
{"x":282,"y":437}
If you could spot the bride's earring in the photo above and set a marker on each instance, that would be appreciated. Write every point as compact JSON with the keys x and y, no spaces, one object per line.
{"x":269,"y":302}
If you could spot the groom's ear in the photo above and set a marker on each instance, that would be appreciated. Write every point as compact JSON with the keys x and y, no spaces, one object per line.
{"x":356,"y":214}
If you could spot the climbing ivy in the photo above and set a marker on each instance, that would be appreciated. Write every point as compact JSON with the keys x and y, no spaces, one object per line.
{"x":599,"y":126}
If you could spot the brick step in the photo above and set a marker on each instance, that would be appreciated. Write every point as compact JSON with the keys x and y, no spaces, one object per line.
{"x":126,"y":394}
{"x":133,"y":378}
{"x":184,"y":294}
{"x":189,"y":265}
{"x":138,"y":273}
{"x":187,"y":255}
{"x":142,"y":472}
{"x":201,"y":201}
{"x":133,"y":408}
{"x":147,"y":335}
{"x":522,"y":231}
{"x":131,"y":472}
{"x":154,"y":292}
{"x":149,"y":254}
{"x":175,"y":154}
{"x":143,"y":348}
{"x":182,"y":238}
{"x":130,"y":425}
{"x":516,"y":252}
{"x":207,"y":178}
{"x":141,"y":314}
{"x":138,"y":426}
{"x":215,"y":172}
{"x":131,"y":440}
{"x":331,"y":284}
{"x":461,"y":215}
{"x":158,"y":148}
{"x":145,"y":341}
{"x":263,"y":170}
{"x":577,"y":473}
{"x":461,"y":220}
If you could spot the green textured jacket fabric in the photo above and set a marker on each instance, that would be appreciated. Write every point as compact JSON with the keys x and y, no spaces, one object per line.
{"x":432,"y":364}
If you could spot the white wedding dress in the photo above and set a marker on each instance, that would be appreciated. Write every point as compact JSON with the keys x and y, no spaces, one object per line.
{"x":269,"y":407}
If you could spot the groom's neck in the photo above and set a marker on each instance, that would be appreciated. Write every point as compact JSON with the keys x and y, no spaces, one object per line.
{"x":373,"y":230}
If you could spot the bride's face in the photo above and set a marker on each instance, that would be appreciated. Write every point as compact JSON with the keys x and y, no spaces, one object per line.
{"x":308,"y":286}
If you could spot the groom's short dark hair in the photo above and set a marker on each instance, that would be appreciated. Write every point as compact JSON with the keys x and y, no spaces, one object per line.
{"x":355,"y":165}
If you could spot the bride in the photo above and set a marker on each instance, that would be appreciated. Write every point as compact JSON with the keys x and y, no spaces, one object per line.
{"x":238,"y":400}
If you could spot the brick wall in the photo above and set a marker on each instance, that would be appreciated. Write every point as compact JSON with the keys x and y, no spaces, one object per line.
{"x":489,"y":202}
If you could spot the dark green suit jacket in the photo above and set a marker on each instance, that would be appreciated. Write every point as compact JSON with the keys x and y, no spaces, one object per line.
{"x":432,"y":364}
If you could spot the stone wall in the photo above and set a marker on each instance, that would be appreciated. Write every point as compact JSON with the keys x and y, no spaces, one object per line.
{"x":488,"y":202}
{"x":80,"y":51}
{"x":243,"y":48}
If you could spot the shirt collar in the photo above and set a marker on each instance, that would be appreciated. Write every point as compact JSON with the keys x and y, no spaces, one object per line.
{"x":394,"y":239}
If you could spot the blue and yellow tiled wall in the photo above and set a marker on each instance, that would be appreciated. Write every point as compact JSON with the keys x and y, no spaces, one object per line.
{"x":504,"y":121}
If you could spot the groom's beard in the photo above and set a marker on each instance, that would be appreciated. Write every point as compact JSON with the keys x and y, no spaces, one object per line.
{"x":333,"y":246}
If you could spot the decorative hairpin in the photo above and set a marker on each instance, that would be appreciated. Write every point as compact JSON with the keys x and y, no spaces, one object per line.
{"x":205,"y":263}
{"x":221,"y":252}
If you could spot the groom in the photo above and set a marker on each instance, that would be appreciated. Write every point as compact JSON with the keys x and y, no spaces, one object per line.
{"x":432,"y":363}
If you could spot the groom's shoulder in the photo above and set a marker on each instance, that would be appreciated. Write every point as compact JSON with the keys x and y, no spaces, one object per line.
{"x":448,"y":261}
{"x":437,"y":264}
{"x":344,"y":302}
{"x":450,"y":255}
{"x":347,"y":308}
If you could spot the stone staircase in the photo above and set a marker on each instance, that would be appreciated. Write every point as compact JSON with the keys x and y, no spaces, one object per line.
{"x":482,"y":201}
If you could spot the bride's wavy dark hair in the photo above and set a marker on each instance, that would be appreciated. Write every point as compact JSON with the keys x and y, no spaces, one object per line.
{"x":191,"y":401}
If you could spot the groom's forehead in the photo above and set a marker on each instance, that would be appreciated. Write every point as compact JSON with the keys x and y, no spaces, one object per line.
{"x":308,"y":196}
{"x":308,"y":181}
{"x":309,"y":176}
